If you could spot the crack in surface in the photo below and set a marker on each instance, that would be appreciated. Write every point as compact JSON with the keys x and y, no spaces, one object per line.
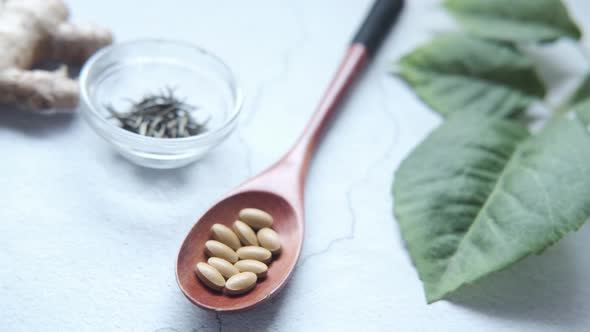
{"x":374,"y":165}
{"x":397,"y":135}
{"x":219,"y":322}
{"x":386,"y":108}
{"x":280,"y":75}
{"x":347,"y":237}
{"x":285,"y":63}
{"x":200,"y":328}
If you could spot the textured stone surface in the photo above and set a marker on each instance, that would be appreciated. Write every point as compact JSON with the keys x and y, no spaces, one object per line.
{"x":88,"y":240}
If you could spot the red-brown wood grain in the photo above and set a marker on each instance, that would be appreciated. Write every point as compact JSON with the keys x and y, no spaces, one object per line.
{"x":278,"y":191}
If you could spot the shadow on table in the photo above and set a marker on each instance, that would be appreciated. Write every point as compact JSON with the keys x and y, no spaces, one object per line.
{"x":34,"y":124}
{"x":176,"y":176}
{"x":216,"y":165}
{"x":542,"y":289}
{"x":260,"y":318}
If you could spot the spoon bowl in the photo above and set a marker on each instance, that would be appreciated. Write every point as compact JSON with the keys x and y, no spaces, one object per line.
{"x":287,"y":223}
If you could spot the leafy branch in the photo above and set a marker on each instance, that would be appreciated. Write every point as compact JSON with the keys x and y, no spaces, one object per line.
{"x":481,"y":192}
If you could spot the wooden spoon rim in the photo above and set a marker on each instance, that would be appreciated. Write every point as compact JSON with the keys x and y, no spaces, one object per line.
{"x":276,"y":286}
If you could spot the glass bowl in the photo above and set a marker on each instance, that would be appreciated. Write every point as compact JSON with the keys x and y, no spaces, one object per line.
{"x":131,"y":70}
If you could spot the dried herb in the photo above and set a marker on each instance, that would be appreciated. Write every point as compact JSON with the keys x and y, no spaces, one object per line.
{"x":160,"y":115}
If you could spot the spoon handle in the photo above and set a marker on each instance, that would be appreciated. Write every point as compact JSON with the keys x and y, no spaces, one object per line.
{"x":365,"y":43}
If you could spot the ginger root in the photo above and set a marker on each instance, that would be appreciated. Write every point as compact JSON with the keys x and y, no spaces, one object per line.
{"x":34,"y":31}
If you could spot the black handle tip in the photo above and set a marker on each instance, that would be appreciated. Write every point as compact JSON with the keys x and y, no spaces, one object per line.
{"x":377,"y":24}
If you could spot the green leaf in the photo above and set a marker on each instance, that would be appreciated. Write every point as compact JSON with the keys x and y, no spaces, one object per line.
{"x":580,"y":100}
{"x":480,"y":193}
{"x":515,"y":20}
{"x":455,"y":73}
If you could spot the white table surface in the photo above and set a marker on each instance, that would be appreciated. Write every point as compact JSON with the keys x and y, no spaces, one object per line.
{"x":88,"y":241}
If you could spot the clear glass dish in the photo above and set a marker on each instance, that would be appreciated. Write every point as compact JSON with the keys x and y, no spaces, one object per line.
{"x":130,"y":70}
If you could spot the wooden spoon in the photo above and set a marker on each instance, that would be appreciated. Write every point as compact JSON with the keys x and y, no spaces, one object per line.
{"x":279,"y":189}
